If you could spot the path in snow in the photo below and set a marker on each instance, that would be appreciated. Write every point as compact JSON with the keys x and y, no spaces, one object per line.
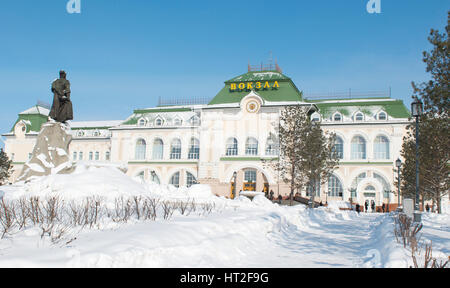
{"x":246,"y":237}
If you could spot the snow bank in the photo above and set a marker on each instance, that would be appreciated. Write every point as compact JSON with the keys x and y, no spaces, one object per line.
{"x":106,"y":182}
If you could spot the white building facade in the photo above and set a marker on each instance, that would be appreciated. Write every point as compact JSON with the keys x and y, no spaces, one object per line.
{"x":236,"y":132}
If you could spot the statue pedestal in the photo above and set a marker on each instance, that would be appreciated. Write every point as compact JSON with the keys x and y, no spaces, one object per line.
{"x":50,"y":153}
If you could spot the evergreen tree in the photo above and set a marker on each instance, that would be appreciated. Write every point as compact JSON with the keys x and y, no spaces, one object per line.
{"x":306,"y":152}
{"x":5,"y":167}
{"x":434,"y":152}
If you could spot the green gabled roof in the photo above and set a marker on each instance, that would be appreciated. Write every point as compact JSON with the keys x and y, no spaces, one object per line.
{"x":286,"y":92}
{"x":33,"y":118}
{"x":132,"y":120}
{"x":395,"y":108}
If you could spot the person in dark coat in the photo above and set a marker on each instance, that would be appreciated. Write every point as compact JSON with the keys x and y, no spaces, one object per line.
{"x":373,"y":206}
{"x":279,"y":198}
{"x":366,"y":205}
{"x":61,"y":110}
{"x":427,"y":207}
{"x":271,"y":195}
{"x":357,"y":208}
{"x":383,"y":207}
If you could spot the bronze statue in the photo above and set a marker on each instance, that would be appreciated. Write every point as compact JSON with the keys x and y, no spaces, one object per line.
{"x":62,"y":106}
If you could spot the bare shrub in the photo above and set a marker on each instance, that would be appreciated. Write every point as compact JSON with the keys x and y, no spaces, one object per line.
{"x":183,"y":207}
{"x":168,"y":209}
{"x":7,"y":211}
{"x":408,"y":233}
{"x":428,"y":260}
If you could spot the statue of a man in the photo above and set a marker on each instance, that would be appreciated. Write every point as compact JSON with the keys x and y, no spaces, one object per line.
{"x":62,"y":106}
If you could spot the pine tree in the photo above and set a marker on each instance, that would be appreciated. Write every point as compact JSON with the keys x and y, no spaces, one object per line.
{"x":306,"y":152}
{"x":434,"y":151}
{"x":5,"y":167}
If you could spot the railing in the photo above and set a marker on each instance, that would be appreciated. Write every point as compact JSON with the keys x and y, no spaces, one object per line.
{"x":183,"y":101}
{"x":349,"y":94}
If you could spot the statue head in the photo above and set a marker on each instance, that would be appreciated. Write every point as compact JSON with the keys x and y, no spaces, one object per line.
{"x":62,"y":74}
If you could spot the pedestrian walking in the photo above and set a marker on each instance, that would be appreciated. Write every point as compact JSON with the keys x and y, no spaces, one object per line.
{"x":366,"y":205}
{"x":373,"y":206}
{"x":279,"y":199}
{"x":357,"y":208}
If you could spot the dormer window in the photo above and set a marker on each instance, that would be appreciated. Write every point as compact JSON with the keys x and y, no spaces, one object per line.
{"x":96,"y":133}
{"x":195,"y":121}
{"x":337,"y":117}
{"x":359,"y":116}
{"x":159,"y":122}
{"x":142,"y":122}
{"x":315,"y":117}
{"x":80,"y":133}
{"x":382,"y":116}
{"x":177,"y":122}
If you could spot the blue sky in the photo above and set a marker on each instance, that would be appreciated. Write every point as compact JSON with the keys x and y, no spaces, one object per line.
{"x":122,"y":55}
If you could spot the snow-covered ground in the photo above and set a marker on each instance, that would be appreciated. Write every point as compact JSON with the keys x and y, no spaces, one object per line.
{"x":237,"y":233}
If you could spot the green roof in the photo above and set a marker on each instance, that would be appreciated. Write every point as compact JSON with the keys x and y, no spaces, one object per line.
{"x":287,"y":91}
{"x":395,"y":108}
{"x":33,"y":120}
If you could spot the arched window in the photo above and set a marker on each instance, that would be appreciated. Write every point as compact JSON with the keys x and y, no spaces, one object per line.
{"x":91,"y":156}
{"x":97,"y":156}
{"x":175,"y":179}
{"x":80,"y":156}
{"x":140,"y":149}
{"x":381,"y":148}
{"x":337,"y":117}
{"x":175,"y":149}
{"x":359,"y":116}
{"x":335,"y":187}
{"x":194,"y":149}
{"x":107,"y":155}
{"x":159,"y":122}
{"x":251,"y":146}
{"x":232,"y":147}
{"x":141,"y":177}
{"x":158,"y":149}
{"x":80,"y":133}
{"x":271,"y":145}
{"x":74,"y":156}
{"x":358,"y":148}
{"x":382,"y":116}
{"x":190,"y":179}
{"x":154,"y":178}
{"x":96,"y":133}
{"x":339,"y":147}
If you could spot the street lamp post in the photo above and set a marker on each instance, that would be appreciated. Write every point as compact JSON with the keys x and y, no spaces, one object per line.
{"x":398,"y":164}
{"x":153,"y":175}
{"x":234,"y":184}
{"x":416,"y":111}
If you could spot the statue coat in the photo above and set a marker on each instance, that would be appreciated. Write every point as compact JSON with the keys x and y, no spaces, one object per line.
{"x":62,"y":106}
